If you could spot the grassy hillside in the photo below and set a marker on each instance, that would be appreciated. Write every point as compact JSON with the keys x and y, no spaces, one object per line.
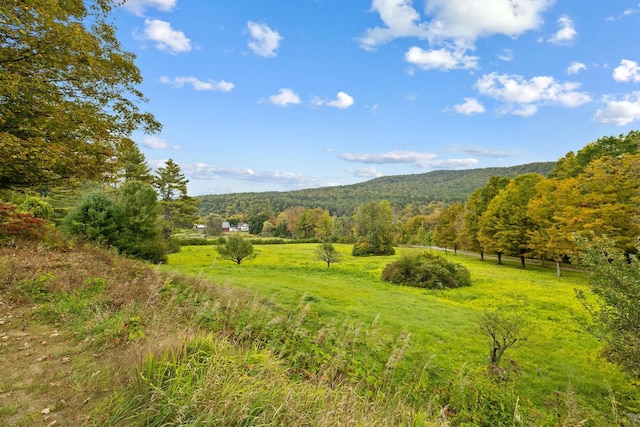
{"x":95,"y":339}
{"x":556,"y":371}
{"x":437,"y":186}
{"x":90,"y":338}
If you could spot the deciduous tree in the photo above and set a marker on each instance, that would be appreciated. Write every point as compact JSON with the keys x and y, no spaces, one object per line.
{"x":236,"y":249}
{"x":505,"y":226}
{"x":315,"y":223}
{"x":475,"y":207}
{"x":68,"y":92}
{"x":327,"y":253}
{"x":615,"y":279}
{"x":450,"y":232}
{"x":374,"y":229}
{"x":554,"y":209}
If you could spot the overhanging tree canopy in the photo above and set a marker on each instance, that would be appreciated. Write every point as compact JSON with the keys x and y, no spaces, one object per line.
{"x":67,"y":92}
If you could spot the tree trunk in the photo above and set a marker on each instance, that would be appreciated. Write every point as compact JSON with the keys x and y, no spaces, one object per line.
{"x":522,"y":261}
{"x":481,"y":255}
{"x":499,"y":257}
{"x":558,"y":268}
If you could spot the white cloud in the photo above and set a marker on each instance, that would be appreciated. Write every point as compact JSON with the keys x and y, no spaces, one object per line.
{"x":369,"y":172}
{"x":523,"y":97}
{"x":197,"y":84}
{"x":521,"y":110}
{"x":470,"y":19}
{"x":506,"y":55}
{"x":410,"y":157}
{"x":137,"y":7}
{"x":157,"y":144}
{"x":264,"y":41}
{"x":469,"y":106}
{"x":400,"y":20}
{"x":461,"y":21}
{"x":440,"y":59}
{"x":482,"y":152}
{"x":620,"y":111}
{"x":566,"y":33}
{"x":165,"y":37}
{"x":285,"y":97}
{"x":627,"y":71}
{"x":452,"y":163}
{"x":343,"y":100}
{"x":422,"y":160}
{"x":204,"y":171}
{"x":575,"y":67}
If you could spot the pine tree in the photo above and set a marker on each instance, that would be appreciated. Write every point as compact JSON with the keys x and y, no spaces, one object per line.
{"x":178,"y":209}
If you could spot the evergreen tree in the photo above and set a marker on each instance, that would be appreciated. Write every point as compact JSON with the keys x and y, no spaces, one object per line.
{"x":178,"y":209}
{"x":133,"y":164}
{"x":141,"y":235}
{"x":98,"y":218}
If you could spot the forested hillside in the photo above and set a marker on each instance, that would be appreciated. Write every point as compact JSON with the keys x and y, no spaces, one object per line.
{"x":437,"y":186}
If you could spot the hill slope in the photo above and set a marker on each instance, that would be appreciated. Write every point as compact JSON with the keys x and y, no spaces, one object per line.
{"x":400,"y":190}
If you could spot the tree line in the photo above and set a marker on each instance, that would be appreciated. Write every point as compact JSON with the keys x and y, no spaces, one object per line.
{"x":447,"y":186}
{"x":596,"y":190}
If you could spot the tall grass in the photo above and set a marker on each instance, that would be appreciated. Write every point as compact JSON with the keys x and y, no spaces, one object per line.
{"x":282,"y":340}
{"x":559,"y":359}
{"x":208,"y":381}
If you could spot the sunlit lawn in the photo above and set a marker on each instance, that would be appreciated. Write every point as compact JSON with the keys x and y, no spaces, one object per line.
{"x":558,"y":355}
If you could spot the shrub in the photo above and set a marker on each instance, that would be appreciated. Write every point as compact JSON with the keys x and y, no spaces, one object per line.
{"x":365,"y":247}
{"x":17,"y":225}
{"x":192,"y":241}
{"x":426,"y":271}
{"x":131,"y":226}
{"x":97,"y":219}
{"x":38,"y":207}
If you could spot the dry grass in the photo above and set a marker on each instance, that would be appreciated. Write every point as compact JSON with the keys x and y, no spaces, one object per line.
{"x":79,"y":327}
{"x":57,"y":371}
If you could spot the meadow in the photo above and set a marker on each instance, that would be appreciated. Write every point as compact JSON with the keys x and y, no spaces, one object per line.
{"x":558,"y":365}
{"x":95,"y":339}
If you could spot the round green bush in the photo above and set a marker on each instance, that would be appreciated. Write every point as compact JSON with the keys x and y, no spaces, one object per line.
{"x":426,"y":271}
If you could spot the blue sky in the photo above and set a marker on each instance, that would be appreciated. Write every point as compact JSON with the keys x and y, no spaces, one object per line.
{"x":261,"y":95}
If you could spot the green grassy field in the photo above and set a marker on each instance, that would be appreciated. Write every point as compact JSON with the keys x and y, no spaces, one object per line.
{"x":557,"y":363}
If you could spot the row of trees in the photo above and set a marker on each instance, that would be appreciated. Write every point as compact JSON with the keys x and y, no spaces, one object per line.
{"x":596,"y":190}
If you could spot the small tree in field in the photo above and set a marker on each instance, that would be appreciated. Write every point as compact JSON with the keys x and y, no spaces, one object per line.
{"x":236,"y":249}
{"x":503,"y":332}
{"x":327,"y":253}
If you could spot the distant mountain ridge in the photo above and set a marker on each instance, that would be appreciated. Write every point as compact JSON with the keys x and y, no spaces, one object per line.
{"x":446,"y":186}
